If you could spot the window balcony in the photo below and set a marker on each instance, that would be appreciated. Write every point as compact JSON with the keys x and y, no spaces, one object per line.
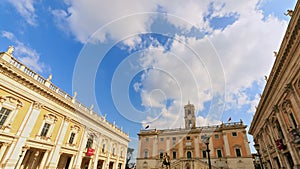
{"x":295,"y":135}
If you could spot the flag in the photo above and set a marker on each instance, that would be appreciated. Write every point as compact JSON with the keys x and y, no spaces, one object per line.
{"x":147,"y":127}
{"x":229,"y":119}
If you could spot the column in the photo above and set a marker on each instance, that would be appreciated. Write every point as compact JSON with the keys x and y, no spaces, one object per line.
{"x":226,"y":144}
{"x":71,"y":162}
{"x":168,"y":144}
{"x":139,"y":148}
{"x":98,"y":149}
{"x":15,"y":149}
{"x":43,"y":162}
{"x":269,"y":125}
{"x":81,"y":148}
{"x":154,"y":147}
{"x":54,"y":158}
{"x":180,"y":153}
{"x":21,"y":158}
{"x":196,"y":145}
{"x":290,"y":146}
{"x":3,"y":149}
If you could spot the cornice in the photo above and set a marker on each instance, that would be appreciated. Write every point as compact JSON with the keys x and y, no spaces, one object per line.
{"x":46,"y":89}
{"x":283,"y":57}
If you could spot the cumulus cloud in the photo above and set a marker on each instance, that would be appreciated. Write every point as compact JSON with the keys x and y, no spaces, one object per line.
{"x":26,"y":9}
{"x":26,"y":55}
{"x":226,"y":60}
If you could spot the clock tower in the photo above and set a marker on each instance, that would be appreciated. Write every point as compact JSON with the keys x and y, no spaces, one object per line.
{"x":189,"y":116}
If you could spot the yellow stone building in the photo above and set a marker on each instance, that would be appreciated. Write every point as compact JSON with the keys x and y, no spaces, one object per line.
{"x":41,"y":126}
{"x":276,"y":123}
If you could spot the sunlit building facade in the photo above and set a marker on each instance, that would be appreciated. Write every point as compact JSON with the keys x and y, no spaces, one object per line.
{"x":187,"y":147}
{"x":43,"y":127}
{"x":276,"y":123}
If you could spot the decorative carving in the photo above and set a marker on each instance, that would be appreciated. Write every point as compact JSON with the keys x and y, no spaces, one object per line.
{"x":49,"y":77}
{"x":50,"y":117}
{"x":275,"y":108}
{"x":75,"y":128}
{"x":288,"y":88}
{"x":10,"y":50}
{"x":37,"y":105}
{"x":10,"y":99}
{"x":286,"y":104}
{"x":289,"y":12}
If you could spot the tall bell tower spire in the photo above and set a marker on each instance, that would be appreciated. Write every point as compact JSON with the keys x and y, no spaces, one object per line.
{"x":189,"y":116}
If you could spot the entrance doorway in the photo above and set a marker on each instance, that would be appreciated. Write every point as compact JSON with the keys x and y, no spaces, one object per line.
{"x":85,"y":163}
{"x":33,"y":159}
{"x":64,"y":161}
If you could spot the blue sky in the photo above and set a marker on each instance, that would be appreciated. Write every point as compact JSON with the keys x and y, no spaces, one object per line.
{"x":140,"y":62}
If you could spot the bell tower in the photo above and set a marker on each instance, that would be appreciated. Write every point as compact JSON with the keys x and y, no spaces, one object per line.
{"x":189,"y":116}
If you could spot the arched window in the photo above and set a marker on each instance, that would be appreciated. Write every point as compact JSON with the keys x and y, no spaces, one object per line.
{"x":161,"y":155}
{"x":146,"y":154}
{"x":189,"y":154}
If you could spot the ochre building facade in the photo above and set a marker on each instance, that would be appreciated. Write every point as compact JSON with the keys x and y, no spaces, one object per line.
{"x":187,"y":147}
{"x":276,"y":123}
{"x":42,"y":127}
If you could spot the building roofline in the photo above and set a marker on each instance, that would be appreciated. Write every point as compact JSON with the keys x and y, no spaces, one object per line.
{"x":280,"y":61}
{"x":10,"y":63}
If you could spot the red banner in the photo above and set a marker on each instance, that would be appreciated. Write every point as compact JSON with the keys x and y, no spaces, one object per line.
{"x":90,"y":152}
{"x":279,"y":144}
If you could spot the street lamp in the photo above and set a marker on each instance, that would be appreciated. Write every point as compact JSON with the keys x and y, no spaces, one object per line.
{"x":256,"y":146}
{"x":206,"y":141}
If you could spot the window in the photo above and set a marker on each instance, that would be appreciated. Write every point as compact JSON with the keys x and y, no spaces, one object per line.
{"x":189,"y":154}
{"x":174,"y":154}
{"x":216,"y":136}
{"x":113,"y":151}
{"x":47,"y":127}
{"x":188,"y":138}
{"x":4,"y":113}
{"x":161,"y":155}
{"x":45,"y":130}
{"x":71,"y":139}
{"x":174,"y":138}
{"x":234,"y":134}
{"x":238,"y":152}
{"x":146,"y":154}
{"x":190,"y":123}
{"x":293,"y":120}
{"x":161,"y":139}
{"x":189,"y":112}
{"x":204,"y":154}
{"x":73,"y":136}
{"x":89,"y":142}
{"x":219,"y":153}
{"x":147,"y":139}
{"x":9,"y":107}
{"x":103,"y":148}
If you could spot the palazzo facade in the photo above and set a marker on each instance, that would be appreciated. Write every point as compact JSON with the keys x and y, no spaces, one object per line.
{"x":43,"y":127}
{"x":187,"y":147}
{"x":276,"y":123}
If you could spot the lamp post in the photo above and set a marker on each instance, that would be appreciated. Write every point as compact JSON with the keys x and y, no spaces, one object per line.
{"x":208,"y":150}
{"x":256,"y":146}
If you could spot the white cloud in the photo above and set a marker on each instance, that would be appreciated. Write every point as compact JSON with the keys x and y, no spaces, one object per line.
{"x":244,"y":49}
{"x":26,"y":55}
{"x":26,"y":10}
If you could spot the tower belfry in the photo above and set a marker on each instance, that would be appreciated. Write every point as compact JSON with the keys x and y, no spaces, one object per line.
{"x":189,"y":116}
